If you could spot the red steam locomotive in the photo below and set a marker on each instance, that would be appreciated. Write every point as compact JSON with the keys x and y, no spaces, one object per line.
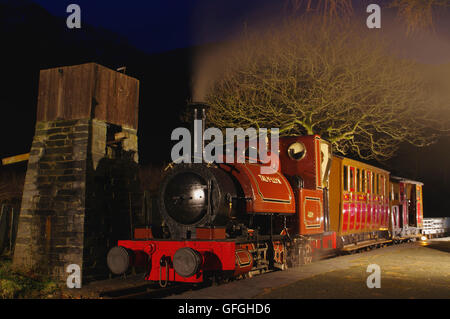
{"x":230,"y":220}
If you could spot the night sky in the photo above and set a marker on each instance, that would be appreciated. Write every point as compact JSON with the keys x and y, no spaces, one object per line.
{"x":157,"y":25}
{"x":157,"y":40}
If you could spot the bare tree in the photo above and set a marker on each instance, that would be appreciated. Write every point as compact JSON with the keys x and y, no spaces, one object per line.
{"x":329,"y":10}
{"x":335,"y":81}
{"x":415,"y":14}
{"x":418,"y":14}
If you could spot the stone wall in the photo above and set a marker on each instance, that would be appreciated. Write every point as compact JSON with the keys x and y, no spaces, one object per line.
{"x":81,"y":195}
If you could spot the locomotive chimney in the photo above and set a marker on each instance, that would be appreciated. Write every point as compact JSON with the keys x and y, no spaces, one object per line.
{"x":199,"y":111}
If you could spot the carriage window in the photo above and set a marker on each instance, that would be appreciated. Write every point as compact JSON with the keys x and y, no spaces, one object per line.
{"x":373,"y":183}
{"x":363,"y":181}
{"x":358,"y":180}
{"x":377,"y":189}
{"x":408,"y":191}
{"x":352,"y":179}
{"x":381,"y":185}
{"x":345,"y":178}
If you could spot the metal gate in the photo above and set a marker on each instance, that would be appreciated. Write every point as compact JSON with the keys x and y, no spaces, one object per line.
{"x":9,"y":221}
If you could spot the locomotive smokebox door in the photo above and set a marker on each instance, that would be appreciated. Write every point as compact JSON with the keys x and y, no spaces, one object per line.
{"x":185,"y":198}
{"x":194,"y":195}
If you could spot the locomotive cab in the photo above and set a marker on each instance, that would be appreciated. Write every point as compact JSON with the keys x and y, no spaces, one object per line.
{"x":306,"y":161}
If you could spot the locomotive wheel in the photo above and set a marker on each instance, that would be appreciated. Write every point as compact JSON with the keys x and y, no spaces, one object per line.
{"x":306,"y":254}
{"x":294,"y":256}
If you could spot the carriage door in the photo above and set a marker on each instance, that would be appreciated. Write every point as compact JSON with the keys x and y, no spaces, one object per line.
{"x":412,"y":206}
{"x":353,"y":198}
{"x":419,"y":206}
{"x":403,"y":206}
{"x":395,"y":217}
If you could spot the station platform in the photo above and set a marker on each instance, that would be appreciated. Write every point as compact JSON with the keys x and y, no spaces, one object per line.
{"x":410,"y":270}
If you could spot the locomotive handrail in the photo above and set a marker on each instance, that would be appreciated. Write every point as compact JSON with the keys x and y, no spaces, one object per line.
{"x":167,"y":274}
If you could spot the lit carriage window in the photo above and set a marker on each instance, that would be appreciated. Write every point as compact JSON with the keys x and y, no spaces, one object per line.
{"x":297,"y":151}
{"x":345,"y":178}
{"x":382,"y":186}
{"x":378,"y":185}
{"x":358,"y":180}
{"x":363,"y":181}
{"x":373,"y":183}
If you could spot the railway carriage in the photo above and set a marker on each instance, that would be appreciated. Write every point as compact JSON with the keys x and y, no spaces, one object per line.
{"x":406,"y":205}
{"x":359,"y":203}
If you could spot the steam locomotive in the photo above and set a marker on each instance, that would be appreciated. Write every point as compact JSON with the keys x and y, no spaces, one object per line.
{"x":230,"y":220}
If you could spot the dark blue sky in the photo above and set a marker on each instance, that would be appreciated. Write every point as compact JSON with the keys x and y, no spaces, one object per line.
{"x":160,"y":25}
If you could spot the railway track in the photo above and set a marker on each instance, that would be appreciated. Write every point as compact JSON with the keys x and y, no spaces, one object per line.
{"x":148,"y":291}
{"x":153,"y":290}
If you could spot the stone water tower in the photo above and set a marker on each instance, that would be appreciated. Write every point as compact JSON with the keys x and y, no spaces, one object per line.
{"x":81,"y":186}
